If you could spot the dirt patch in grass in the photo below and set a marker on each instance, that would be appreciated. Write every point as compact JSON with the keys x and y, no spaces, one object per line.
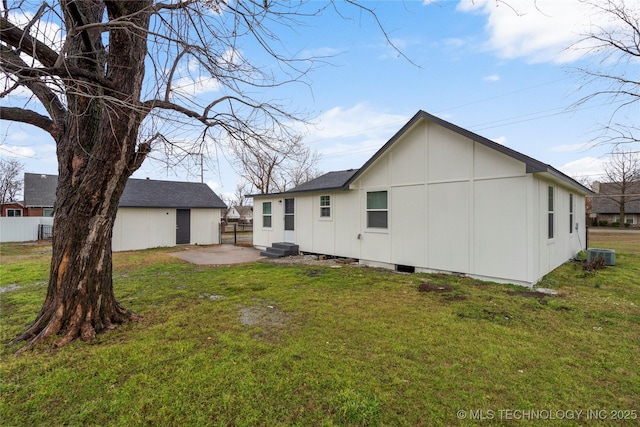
{"x":313,"y":272}
{"x":269,"y":318}
{"x":541,"y":297}
{"x":262,"y":315}
{"x":426,"y":286}
{"x":528,"y":294}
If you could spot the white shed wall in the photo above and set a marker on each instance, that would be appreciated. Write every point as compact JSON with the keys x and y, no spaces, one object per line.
{"x":142,"y":228}
{"x":205,"y":226}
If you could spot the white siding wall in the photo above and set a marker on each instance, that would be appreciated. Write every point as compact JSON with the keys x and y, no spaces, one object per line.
{"x":565,"y":244}
{"x":205,"y":226}
{"x":454,"y":205}
{"x":142,"y":228}
{"x":265,"y":236}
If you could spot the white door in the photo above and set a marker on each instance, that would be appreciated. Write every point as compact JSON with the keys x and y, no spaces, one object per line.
{"x":289,"y":221}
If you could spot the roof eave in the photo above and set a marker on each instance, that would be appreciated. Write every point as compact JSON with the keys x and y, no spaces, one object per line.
{"x":532,"y":165}
{"x":562,"y":179}
{"x":294,"y":193}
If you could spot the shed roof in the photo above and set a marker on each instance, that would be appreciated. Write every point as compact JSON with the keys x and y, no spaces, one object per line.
{"x":604,"y":201}
{"x":138,"y":193}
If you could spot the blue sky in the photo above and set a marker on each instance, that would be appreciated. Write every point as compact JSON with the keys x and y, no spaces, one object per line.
{"x":506,"y":72}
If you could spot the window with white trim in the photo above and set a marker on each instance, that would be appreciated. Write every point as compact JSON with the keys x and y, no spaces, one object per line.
{"x":325,"y":206}
{"x":47,"y":212}
{"x":570,"y":213}
{"x":377,"y":209}
{"x":266,"y":214}
{"x":14,"y":212}
{"x":550,"y":212}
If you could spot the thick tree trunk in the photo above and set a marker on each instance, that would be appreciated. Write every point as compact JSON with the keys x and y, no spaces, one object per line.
{"x":80,"y":301}
{"x":97,"y":150}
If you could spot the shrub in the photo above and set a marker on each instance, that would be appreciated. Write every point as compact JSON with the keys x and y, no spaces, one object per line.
{"x":603,"y":223}
{"x":615,"y":224}
{"x":597,"y":263}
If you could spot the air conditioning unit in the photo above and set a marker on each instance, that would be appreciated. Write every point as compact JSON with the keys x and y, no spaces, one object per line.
{"x":609,"y":255}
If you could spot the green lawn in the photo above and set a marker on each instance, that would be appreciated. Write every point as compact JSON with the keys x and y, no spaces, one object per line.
{"x":266,"y":344}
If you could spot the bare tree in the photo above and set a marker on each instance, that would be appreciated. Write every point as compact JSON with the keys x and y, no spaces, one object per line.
{"x":623,"y":173}
{"x":10,"y":182}
{"x":104,"y":78}
{"x":300,"y":169}
{"x":277,"y":166}
{"x":242,"y":189}
{"x":616,"y":44}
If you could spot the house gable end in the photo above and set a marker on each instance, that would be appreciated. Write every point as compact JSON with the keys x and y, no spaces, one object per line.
{"x":531,"y":165}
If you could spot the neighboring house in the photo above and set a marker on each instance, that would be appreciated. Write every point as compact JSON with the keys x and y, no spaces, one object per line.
{"x":39,"y":196}
{"x":13,"y":209}
{"x":435,"y":198}
{"x":606,"y":203}
{"x":151,"y":213}
{"x":241,"y":214}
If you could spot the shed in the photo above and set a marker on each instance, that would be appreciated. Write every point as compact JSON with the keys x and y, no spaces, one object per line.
{"x":151,"y":213}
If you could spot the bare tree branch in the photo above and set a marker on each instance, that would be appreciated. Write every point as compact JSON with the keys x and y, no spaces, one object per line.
{"x":616,"y":43}
{"x":18,"y":39}
{"x":29,"y":117}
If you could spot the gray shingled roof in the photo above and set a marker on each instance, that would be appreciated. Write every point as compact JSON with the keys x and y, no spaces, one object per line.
{"x":602,"y":204}
{"x":532,"y":165}
{"x":149,"y":193}
{"x":342,"y":179}
{"x":328,"y":181}
{"x":39,"y":190}
{"x":139,"y":193}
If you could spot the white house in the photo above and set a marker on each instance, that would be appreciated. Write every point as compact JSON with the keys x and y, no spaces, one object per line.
{"x":242,"y":214}
{"x":151,"y":213}
{"x":435,"y":198}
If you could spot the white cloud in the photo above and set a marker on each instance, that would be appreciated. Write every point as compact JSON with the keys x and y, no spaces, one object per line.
{"x":44,"y":30}
{"x":359,"y":120}
{"x":190,"y":87}
{"x":215,"y":186}
{"x":347,"y":137}
{"x":502,"y":140}
{"x":587,"y":167}
{"x":16,"y":151}
{"x":540,"y":31}
{"x":492,"y":78}
{"x":581,"y":146}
